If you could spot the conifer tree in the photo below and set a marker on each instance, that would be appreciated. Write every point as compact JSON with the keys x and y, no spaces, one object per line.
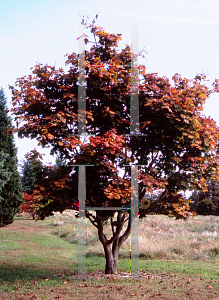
{"x":208,"y":201}
{"x":31,"y":170}
{"x":4,"y":173}
{"x":10,"y":184}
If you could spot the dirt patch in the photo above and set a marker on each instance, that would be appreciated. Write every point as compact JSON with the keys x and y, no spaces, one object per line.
{"x":113,"y":288}
{"x":24,"y":228}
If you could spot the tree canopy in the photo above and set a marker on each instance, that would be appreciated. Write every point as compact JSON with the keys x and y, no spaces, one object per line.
{"x":176,"y":149}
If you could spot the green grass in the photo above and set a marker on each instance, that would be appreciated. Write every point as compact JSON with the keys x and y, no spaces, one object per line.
{"x":206,"y":270}
{"x":39,"y":259}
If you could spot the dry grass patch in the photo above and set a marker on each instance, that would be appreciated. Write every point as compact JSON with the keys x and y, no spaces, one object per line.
{"x":159,"y":237}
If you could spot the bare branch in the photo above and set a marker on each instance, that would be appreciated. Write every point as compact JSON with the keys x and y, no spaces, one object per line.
{"x":126,"y":234}
{"x":112,"y":226}
{"x":89,"y":216}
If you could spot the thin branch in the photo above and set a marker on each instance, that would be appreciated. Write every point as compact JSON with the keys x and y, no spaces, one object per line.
{"x":126,"y":234}
{"x":112,"y":226}
{"x":152,"y":207}
{"x":95,"y":39}
{"x":92,"y":221}
{"x":141,"y":194}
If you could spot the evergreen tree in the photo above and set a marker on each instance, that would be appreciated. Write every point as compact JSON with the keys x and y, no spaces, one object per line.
{"x":206,"y":207}
{"x":10,"y":184}
{"x":4,"y":173}
{"x":31,"y":170}
{"x":208,"y":201}
{"x":194,"y":200}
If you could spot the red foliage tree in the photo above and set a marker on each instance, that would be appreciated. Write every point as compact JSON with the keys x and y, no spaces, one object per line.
{"x":29,"y":205}
{"x":177,"y":148}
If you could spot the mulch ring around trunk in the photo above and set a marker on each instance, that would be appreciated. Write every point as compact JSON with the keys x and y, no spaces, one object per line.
{"x":119,"y":275}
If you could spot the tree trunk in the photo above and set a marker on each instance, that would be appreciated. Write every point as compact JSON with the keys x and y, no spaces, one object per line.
{"x":112,"y":246}
{"x":111,"y":260}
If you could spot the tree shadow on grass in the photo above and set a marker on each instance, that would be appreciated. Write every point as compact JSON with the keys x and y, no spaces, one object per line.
{"x":11,"y":273}
{"x":92,"y":255}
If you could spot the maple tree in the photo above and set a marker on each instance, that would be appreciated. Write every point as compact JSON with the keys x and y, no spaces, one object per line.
{"x":176,"y":149}
{"x":29,"y":204}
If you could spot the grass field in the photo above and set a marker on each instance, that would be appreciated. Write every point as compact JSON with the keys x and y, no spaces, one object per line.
{"x":178,"y":260}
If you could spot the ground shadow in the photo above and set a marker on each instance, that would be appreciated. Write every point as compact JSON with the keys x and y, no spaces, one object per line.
{"x":11,"y":273}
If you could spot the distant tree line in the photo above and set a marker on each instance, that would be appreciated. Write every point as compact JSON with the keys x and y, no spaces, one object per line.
{"x":206,"y":203}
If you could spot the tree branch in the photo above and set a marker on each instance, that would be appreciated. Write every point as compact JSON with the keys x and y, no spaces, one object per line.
{"x":152,"y":207}
{"x":118,"y":229}
{"x":112,"y":226}
{"x":101,"y":234}
{"x":92,"y":221}
{"x":126,"y":234}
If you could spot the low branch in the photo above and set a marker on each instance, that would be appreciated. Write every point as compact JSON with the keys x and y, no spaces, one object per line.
{"x":152,"y":207}
{"x":118,"y":230}
{"x":112,"y":226}
{"x":126,"y":234}
{"x":92,"y":221}
{"x":101,"y":234}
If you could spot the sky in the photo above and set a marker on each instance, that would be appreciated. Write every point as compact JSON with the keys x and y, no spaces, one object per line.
{"x":179,"y":36}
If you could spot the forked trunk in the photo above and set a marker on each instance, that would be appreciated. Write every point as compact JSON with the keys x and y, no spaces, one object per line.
{"x":112,"y":246}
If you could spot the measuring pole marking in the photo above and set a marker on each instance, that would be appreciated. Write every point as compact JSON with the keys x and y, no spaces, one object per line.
{"x":134,"y":131}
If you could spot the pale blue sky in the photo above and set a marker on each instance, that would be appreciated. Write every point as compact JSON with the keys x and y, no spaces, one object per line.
{"x":179,"y":37}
